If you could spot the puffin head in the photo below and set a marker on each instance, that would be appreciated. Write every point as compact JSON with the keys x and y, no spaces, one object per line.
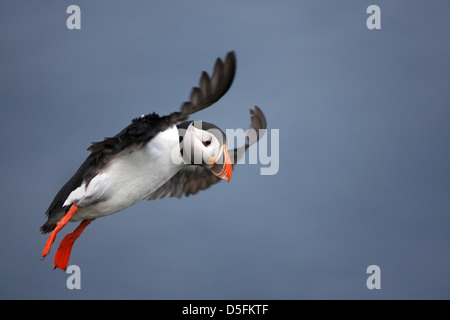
{"x":204,"y":144}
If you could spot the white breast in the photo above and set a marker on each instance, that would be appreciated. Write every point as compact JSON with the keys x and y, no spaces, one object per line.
{"x":129,"y":178}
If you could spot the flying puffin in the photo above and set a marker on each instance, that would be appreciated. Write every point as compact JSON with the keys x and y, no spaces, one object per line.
{"x":152,"y":158}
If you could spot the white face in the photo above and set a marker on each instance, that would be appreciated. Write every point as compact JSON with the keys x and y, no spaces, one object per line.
{"x":202,"y":146}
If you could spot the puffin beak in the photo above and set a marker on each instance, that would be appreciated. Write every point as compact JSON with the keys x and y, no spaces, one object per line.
{"x":222,"y":166}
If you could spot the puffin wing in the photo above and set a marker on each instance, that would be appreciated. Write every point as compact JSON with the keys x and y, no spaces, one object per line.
{"x":258,"y":126}
{"x":187,"y":181}
{"x":210,"y":89}
{"x":141,"y":131}
{"x":192,"y":179}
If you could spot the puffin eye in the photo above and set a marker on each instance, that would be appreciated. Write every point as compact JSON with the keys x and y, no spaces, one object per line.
{"x":207,"y":142}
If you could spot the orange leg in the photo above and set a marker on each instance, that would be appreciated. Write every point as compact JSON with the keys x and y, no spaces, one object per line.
{"x":61,"y":223}
{"x":65,"y":247}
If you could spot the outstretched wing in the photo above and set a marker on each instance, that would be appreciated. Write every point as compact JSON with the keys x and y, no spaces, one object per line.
{"x":210,"y":90}
{"x":143,"y":129}
{"x":192,"y":179}
{"x":258,"y":126}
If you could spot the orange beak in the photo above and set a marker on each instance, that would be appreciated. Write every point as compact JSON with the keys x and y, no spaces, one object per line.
{"x":222,"y":166}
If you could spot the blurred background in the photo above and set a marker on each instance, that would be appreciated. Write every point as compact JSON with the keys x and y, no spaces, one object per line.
{"x":364,"y":126}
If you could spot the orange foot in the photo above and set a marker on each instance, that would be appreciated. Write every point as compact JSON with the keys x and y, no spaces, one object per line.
{"x":61,"y":223}
{"x":65,"y":247}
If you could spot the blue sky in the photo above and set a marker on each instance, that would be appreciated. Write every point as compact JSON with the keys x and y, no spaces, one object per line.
{"x":364,"y":125}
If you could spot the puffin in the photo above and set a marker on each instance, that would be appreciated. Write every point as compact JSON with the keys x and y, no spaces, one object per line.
{"x":154,"y":157}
